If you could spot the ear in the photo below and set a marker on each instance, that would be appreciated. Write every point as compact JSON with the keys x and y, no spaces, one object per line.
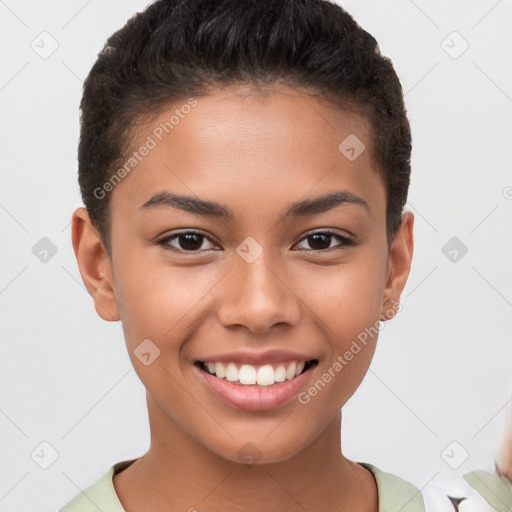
{"x":94,"y":265}
{"x":399,"y":266}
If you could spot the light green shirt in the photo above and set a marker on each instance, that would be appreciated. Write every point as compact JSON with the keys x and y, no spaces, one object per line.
{"x":395,"y":494}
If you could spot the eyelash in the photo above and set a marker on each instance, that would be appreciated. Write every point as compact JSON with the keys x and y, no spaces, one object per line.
{"x":345,"y":241}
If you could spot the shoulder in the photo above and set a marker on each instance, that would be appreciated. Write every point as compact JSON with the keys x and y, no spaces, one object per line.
{"x":395,"y":493}
{"x":476,"y":490}
{"x":101,"y":495}
{"x":495,"y":489}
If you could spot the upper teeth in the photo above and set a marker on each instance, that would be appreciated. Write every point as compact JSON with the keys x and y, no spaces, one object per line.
{"x":264,"y":375}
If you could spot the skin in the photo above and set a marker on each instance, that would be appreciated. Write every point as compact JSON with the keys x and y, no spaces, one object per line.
{"x":255,"y":152}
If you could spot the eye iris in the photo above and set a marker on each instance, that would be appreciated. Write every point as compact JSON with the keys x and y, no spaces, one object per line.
{"x":321,"y":236}
{"x":193,"y":241}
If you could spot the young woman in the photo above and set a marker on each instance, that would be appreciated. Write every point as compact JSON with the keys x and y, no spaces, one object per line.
{"x":244,"y":166}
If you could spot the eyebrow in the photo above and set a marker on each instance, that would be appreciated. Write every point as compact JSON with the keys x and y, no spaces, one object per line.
{"x":304,"y":207}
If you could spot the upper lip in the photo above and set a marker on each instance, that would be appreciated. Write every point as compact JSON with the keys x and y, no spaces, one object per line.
{"x":248,"y":357}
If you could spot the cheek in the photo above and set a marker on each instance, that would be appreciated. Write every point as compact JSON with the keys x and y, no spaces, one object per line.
{"x":354,"y":305}
{"x":347,"y":297}
{"x":347,"y":300}
{"x":155,"y":302}
{"x":155,"y":299}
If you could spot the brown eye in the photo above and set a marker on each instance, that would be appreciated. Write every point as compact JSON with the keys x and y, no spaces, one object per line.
{"x":187,"y":241}
{"x":321,"y":241}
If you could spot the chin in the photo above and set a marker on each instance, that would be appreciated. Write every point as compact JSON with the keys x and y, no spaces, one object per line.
{"x":258,"y":449}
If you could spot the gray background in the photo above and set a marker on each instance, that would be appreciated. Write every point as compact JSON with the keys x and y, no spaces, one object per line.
{"x":438,"y":390}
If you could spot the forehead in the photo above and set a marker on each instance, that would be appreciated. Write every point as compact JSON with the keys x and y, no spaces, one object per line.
{"x":242,"y":147}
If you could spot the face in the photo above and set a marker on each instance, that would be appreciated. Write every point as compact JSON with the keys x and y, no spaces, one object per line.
{"x":250,"y":271}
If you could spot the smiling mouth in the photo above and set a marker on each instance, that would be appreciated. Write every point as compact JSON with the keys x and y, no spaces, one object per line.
{"x":256,"y":375}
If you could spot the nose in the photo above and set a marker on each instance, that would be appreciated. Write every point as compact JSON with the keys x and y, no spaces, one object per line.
{"x":258,"y":295}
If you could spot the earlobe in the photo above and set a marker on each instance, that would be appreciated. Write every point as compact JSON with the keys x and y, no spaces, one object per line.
{"x":399,"y":266}
{"x":94,"y":265}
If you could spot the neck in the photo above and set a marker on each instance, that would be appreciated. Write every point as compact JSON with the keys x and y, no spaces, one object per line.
{"x":179,"y":473}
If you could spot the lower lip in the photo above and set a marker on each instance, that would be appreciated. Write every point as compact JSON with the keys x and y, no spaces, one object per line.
{"x":252,"y":398}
